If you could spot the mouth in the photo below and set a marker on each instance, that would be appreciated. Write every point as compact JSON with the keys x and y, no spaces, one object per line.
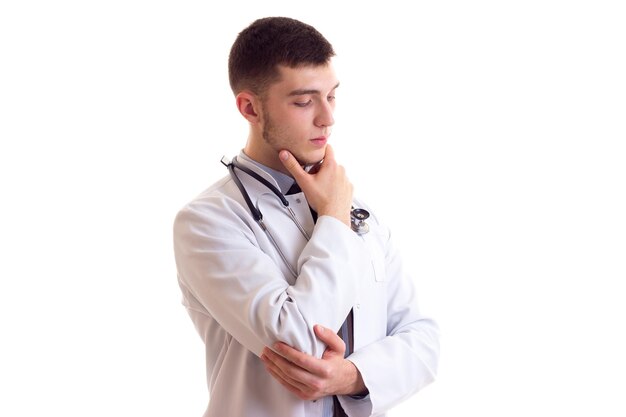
{"x":320,"y":141}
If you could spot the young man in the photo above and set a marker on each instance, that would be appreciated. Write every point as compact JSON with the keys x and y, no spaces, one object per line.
{"x":305,"y":310}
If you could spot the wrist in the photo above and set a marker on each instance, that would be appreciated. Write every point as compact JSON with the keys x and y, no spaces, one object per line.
{"x":354,"y":384}
{"x":341,"y":216}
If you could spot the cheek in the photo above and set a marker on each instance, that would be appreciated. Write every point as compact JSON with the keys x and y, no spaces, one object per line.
{"x":296,"y":124}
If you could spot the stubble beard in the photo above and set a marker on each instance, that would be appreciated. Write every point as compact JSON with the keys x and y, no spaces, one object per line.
{"x":271,"y":135}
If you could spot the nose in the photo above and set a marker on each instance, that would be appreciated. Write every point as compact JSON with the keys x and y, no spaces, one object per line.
{"x":324,"y":116}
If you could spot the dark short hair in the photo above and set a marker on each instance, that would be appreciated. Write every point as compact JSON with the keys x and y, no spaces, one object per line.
{"x":269,"y":42}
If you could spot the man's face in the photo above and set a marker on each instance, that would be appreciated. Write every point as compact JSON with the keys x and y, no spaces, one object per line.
{"x":297,"y":113}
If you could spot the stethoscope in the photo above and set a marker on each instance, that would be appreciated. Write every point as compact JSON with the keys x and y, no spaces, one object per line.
{"x":357,"y":215}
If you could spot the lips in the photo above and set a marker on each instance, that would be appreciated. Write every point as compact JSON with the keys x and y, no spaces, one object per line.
{"x":321,"y":141}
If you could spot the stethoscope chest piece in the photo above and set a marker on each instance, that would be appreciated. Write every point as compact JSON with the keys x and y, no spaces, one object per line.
{"x":357,"y":221}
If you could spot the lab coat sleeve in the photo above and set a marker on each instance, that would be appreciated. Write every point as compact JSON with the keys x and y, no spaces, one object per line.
{"x":400,"y":364}
{"x":223,"y":270}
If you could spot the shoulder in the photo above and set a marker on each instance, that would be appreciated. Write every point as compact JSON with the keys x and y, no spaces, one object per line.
{"x":218,"y":207}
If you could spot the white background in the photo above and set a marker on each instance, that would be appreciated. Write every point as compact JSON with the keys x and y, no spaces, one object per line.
{"x":489,"y":134}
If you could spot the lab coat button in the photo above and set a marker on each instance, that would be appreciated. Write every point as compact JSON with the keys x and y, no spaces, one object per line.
{"x":358,"y":306}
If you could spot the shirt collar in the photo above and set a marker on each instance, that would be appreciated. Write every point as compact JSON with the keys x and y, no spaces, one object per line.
{"x":283,"y":180}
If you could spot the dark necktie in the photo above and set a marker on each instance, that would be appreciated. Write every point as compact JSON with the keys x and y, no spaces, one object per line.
{"x":295,"y":189}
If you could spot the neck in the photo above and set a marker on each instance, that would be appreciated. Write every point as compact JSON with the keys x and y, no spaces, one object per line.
{"x":264,"y":155}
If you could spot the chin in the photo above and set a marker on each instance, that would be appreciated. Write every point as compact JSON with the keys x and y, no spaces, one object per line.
{"x":309,"y":159}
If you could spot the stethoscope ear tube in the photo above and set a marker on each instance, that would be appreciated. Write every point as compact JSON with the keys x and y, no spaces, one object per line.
{"x":256,"y":213}
{"x":262,"y":180}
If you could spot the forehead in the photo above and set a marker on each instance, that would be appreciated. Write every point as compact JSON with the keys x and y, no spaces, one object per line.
{"x":320,"y":78}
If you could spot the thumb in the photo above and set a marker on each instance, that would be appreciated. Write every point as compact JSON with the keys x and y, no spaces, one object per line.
{"x":332,"y":339}
{"x":292,"y":165}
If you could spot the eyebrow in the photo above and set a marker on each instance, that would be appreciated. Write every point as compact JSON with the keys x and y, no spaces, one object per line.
{"x":302,"y":92}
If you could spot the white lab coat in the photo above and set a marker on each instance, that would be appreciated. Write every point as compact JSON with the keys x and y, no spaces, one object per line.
{"x":241,"y":297}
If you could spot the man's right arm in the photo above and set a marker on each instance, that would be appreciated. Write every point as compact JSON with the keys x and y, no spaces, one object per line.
{"x":222,"y":263}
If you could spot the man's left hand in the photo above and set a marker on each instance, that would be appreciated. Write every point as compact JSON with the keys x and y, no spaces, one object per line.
{"x":311,"y":378}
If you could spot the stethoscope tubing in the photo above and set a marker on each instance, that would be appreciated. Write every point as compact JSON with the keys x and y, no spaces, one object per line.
{"x":256,"y":212}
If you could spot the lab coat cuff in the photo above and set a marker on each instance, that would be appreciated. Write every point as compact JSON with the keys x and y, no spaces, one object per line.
{"x":354,"y":406}
{"x":327,"y":218}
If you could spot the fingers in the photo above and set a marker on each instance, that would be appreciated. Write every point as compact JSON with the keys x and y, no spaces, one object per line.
{"x":294,"y":363}
{"x":302,"y":382}
{"x":328,"y":190}
{"x":292,"y":165}
{"x":310,"y":377}
{"x":332,"y":339}
{"x":290,"y":385}
{"x":290,"y":356}
{"x":284,"y":370}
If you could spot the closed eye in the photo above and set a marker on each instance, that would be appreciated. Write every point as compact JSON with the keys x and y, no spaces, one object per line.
{"x":303,"y":103}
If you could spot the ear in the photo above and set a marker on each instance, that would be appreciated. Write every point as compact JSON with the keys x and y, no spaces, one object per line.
{"x":248,"y":105}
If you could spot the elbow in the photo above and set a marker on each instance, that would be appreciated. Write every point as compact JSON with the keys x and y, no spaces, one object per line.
{"x":286,"y":324}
